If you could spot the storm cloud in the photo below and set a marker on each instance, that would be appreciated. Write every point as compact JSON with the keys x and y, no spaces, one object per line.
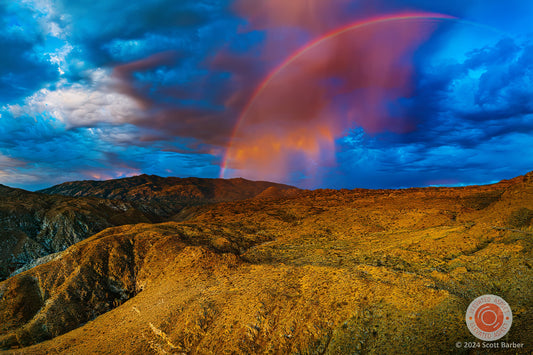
{"x":94,"y":89}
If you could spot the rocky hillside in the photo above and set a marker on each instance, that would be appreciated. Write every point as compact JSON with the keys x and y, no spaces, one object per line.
{"x":318,"y":272}
{"x":33,"y":225}
{"x":164,"y":197}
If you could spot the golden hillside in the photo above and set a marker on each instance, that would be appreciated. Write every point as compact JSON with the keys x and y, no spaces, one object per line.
{"x":308,"y":272}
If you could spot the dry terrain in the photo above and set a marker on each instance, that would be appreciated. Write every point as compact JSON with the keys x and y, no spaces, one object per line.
{"x":34,"y":226}
{"x":286,"y":272}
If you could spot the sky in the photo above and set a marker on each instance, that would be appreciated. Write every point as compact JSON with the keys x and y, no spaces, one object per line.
{"x":313,"y":93}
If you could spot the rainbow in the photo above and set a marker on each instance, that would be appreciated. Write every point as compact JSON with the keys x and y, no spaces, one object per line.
{"x":307,"y":47}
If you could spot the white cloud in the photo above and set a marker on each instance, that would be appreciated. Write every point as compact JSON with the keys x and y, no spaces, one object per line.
{"x":58,"y":57}
{"x":81,"y":105}
{"x":45,"y":13}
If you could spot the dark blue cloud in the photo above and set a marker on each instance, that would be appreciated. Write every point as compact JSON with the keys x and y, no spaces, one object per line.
{"x":22,"y":68}
{"x":110,"y":32}
{"x":474,"y":124}
{"x":489,"y":92}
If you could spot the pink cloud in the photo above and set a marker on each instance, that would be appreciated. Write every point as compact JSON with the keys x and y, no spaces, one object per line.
{"x":337,"y":84}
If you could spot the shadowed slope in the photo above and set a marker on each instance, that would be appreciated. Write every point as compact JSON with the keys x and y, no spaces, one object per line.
{"x":33,"y":225}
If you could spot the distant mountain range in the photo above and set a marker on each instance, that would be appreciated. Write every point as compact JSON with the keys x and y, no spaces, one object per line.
{"x":276,"y":270}
{"x":160,"y":198}
{"x":149,"y":187}
{"x":36,"y":224}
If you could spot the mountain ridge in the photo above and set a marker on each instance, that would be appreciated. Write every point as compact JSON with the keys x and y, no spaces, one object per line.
{"x":324,"y":271}
{"x":35,"y":224}
{"x":163,"y":197}
{"x":206,"y":188}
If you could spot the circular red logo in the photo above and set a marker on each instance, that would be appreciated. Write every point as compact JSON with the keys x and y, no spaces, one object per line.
{"x":489,"y":317}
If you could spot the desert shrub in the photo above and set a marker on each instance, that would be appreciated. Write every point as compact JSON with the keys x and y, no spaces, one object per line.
{"x":520,"y":218}
{"x":481,"y":200}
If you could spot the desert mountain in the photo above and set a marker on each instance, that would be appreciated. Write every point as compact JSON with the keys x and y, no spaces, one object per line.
{"x":34,"y":225}
{"x":316,"y":272}
{"x":164,"y":197}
